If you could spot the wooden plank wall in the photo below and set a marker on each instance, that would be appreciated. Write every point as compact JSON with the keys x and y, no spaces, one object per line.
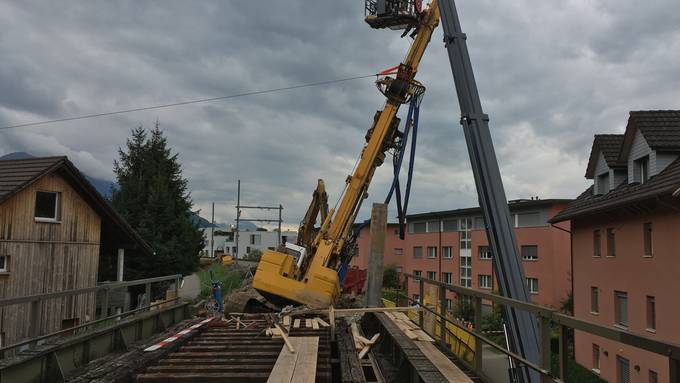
{"x":48,"y":257}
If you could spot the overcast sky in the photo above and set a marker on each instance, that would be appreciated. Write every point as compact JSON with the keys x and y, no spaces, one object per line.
{"x":551,"y":74}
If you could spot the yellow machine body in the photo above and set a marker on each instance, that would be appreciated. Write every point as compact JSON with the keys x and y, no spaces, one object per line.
{"x":318,"y":289}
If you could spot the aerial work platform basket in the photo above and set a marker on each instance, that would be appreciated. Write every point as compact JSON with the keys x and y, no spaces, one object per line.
{"x":393,"y":14}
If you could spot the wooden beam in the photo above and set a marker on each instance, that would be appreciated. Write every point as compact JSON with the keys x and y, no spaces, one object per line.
{"x":296,"y":367}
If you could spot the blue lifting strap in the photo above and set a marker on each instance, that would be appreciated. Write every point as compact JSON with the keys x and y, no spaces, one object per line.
{"x":398,"y":159}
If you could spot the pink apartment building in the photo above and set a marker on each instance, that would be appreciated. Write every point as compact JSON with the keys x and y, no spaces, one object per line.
{"x":451,"y":246}
{"x":626,"y":247}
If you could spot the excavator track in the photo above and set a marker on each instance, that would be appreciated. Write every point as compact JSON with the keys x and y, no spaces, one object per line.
{"x":237,"y":351}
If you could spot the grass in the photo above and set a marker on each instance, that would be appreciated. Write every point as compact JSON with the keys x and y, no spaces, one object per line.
{"x":230,"y":279}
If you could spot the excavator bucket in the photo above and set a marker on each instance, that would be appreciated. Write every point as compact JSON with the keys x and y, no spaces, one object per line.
{"x":393,"y":14}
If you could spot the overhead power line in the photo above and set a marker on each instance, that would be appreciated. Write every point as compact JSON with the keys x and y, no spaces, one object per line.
{"x":189,"y":102}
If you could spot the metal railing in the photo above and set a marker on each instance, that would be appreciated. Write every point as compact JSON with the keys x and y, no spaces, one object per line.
{"x":35,"y":300}
{"x":546,"y":317}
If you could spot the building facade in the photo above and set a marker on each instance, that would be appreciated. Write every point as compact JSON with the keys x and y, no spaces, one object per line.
{"x":451,"y":246}
{"x":55,"y":229}
{"x":626,"y":255}
{"x":225,"y":241}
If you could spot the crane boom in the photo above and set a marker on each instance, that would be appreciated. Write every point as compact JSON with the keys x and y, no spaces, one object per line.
{"x":316,"y":282}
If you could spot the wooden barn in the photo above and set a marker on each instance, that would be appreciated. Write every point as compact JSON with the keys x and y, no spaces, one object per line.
{"x":54,"y":229}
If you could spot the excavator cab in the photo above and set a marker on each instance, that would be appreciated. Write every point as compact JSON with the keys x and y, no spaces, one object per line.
{"x":393,"y":14}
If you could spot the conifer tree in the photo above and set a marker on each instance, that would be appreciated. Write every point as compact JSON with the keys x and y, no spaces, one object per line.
{"x":153,"y":197}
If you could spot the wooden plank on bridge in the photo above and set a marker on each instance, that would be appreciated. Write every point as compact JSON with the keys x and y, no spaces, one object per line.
{"x":452,"y":373}
{"x":298,"y":367}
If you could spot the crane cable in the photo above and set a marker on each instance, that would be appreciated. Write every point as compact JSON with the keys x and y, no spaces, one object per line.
{"x":411,"y":127}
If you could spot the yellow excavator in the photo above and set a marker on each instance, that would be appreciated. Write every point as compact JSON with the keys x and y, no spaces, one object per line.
{"x":306,"y":273}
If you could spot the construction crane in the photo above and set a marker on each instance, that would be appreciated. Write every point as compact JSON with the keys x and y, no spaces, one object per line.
{"x":309,"y":276}
{"x":523,"y":329}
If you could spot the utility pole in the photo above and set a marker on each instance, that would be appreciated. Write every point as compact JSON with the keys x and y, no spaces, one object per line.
{"x":238,"y":216}
{"x":280,"y":210}
{"x":212,"y":232}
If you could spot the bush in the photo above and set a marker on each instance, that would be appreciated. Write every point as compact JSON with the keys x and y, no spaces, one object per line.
{"x":391,"y":277}
{"x":253,"y":256}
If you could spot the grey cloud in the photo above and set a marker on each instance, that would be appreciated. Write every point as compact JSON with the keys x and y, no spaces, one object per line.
{"x":551,"y":74}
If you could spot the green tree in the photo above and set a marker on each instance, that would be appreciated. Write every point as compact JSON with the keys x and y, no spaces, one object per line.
{"x":154,"y":199}
{"x":391,"y":277}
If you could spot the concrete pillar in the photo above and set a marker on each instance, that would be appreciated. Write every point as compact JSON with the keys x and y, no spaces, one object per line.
{"x":121,"y":265}
{"x":375,"y":255}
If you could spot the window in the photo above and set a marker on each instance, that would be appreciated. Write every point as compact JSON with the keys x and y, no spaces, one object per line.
{"x":621,"y":308}
{"x":649,"y":244}
{"x":449,"y":305}
{"x":622,"y":370}
{"x":529,"y":219}
{"x":398,"y":251}
{"x":255,"y":239}
{"x":485,"y":281}
{"x":432,"y":275}
{"x":465,"y":238}
{"x":433,"y":226}
{"x":594,"y":300}
{"x":417,"y":273}
{"x":447,"y":278}
{"x":533,"y":285}
{"x":398,"y":269}
{"x":611,"y":243}
{"x":466,"y":271}
{"x":418,"y":227}
{"x":47,"y":206}
{"x":431,"y":252}
{"x":416,"y":298}
{"x":641,"y":171}
{"x":447,"y":252}
{"x":479,"y":223}
{"x":450,"y":225}
{"x":247,"y":249}
{"x":233,"y":250}
{"x":596,"y":358}
{"x":484,"y":252}
{"x":4,"y":260}
{"x":653,"y":377}
{"x":418,"y":252}
{"x":651,"y":313}
{"x":530,"y":252}
{"x":602,"y":186}
{"x":597,"y":243}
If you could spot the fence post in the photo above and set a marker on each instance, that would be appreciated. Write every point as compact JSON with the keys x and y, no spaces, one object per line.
{"x":147,"y":295}
{"x":545,"y":347}
{"x":105,"y":304}
{"x":177,"y":282}
{"x":563,"y":352}
{"x":479,"y":352}
{"x":34,"y":326}
{"x":421,"y":317}
{"x":442,"y":319}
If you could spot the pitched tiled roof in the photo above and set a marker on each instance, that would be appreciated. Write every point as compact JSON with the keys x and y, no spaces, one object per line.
{"x":664,"y":183}
{"x":660,"y":128}
{"x":16,"y":175}
{"x":610,"y":147}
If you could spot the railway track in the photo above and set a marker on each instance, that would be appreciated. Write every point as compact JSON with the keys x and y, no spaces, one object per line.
{"x":233,"y":352}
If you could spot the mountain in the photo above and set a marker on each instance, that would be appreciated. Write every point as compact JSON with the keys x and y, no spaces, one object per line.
{"x":102,"y":186}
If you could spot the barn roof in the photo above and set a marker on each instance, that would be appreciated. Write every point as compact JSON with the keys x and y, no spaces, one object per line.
{"x":18,"y":174}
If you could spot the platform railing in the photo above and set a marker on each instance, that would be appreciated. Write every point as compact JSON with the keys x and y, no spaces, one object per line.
{"x":36,"y":300}
{"x":547,"y":317}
